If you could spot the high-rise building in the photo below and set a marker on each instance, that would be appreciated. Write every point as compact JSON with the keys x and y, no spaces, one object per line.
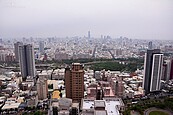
{"x":166,"y":70}
{"x":153,"y":70}
{"x":16,"y":50}
{"x":119,"y":87}
{"x":27,"y":61}
{"x":41,"y":47}
{"x":9,"y":58}
{"x":74,"y":82}
{"x":171,"y":71}
{"x":1,"y":41}
{"x":42,"y":89}
{"x":150,"y":45}
{"x":89,"y":35}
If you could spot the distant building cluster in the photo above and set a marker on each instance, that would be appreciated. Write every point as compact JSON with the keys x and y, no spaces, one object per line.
{"x":83,"y":48}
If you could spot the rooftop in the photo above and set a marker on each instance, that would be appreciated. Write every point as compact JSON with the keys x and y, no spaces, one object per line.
{"x":99,"y":103}
{"x":55,"y":104}
{"x":55,"y":94}
{"x":65,"y":102}
{"x":100,"y":112}
{"x":88,"y":104}
{"x":63,"y":112}
{"x":110,"y":105}
{"x":76,"y":64}
{"x":10,"y":106}
{"x":75,"y":105}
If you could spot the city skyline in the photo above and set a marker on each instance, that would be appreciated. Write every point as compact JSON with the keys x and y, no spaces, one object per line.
{"x":84,"y":75}
{"x":133,"y":19}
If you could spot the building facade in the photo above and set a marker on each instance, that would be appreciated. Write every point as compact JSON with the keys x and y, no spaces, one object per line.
{"x":171,"y":71}
{"x":166,"y":70}
{"x":156,"y":72}
{"x":27,"y":61}
{"x":42,"y":89}
{"x":152,"y":70}
{"x":41,"y":47}
{"x":74,"y":82}
{"x":16,"y":50}
{"x":150,"y":45}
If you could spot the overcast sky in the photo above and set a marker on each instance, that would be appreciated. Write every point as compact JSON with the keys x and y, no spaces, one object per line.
{"x":138,"y":19}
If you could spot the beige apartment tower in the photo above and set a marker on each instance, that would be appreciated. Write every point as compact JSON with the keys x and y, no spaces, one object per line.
{"x":42,"y":89}
{"x":74,"y":82}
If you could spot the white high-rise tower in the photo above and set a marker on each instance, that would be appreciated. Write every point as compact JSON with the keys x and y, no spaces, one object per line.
{"x":153,"y":70}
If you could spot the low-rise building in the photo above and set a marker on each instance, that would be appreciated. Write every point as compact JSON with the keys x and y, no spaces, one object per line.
{"x":107,"y":106}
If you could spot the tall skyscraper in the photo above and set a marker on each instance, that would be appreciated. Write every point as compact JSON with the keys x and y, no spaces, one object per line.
{"x":1,"y":41}
{"x":171,"y":71}
{"x":16,"y":50}
{"x":27,"y":61}
{"x":74,"y":82}
{"x":89,"y":35}
{"x":153,"y":70}
{"x":150,"y":45}
{"x":41,"y":47}
{"x":166,"y":70}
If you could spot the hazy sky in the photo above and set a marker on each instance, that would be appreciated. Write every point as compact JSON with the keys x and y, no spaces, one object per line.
{"x":141,"y":19}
